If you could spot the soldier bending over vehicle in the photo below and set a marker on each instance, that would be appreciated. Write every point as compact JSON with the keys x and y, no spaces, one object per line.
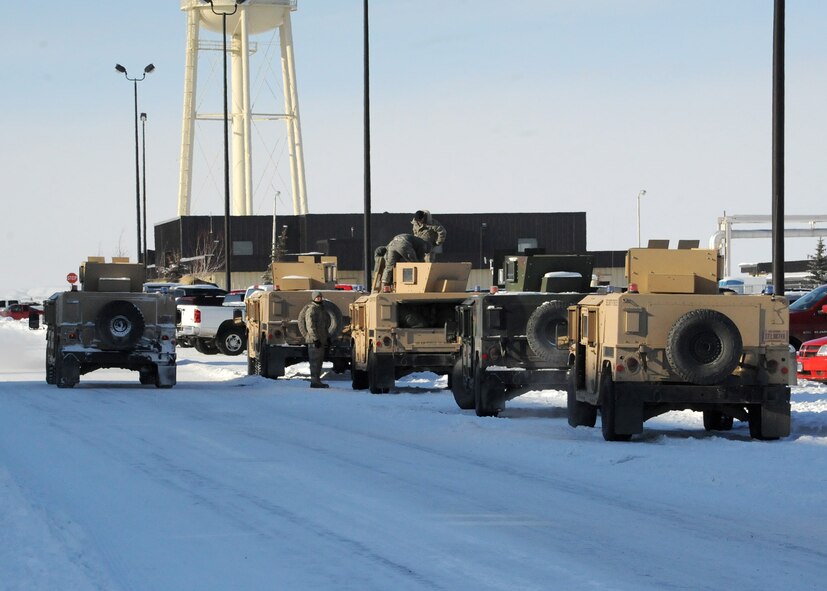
{"x":404,"y":247}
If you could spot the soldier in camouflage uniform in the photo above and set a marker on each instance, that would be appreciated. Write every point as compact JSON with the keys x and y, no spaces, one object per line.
{"x":404,"y":247}
{"x":430,"y":230}
{"x":317,"y":322}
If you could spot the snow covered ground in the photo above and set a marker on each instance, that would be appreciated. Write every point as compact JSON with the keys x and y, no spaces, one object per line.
{"x":235,"y":482}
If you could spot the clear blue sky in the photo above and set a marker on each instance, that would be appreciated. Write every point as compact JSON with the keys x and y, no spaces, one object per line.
{"x":478,"y":105}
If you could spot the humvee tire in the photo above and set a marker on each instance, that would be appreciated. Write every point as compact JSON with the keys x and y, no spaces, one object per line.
{"x":540,"y":328}
{"x":704,"y":346}
{"x":119,"y":324}
{"x":206,"y":346}
{"x":580,"y":414}
{"x":147,"y":375}
{"x":608,"y":409}
{"x":230,"y":341}
{"x":462,"y":395}
{"x":717,"y":421}
{"x":487,"y":395}
{"x":67,"y":372}
{"x":373,"y":376}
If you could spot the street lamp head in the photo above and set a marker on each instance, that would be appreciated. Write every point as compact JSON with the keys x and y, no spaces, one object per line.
{"x":120,"y":68}
{"x":149,"y":69}
{"x":643,"y":191}
{"x":143,"y":116}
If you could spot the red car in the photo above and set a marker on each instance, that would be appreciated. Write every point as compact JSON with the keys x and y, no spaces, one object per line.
{"x":812,"y":360}
{"x":19,"y":311}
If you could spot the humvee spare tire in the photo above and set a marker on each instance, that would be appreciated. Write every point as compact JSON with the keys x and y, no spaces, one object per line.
{"x":333,"y":312}
{"x":119,"y":324}
{"x":704,"y":346}
{"x":542,"y":329}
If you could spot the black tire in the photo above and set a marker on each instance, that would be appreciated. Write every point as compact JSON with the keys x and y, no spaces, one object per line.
{"x":65,"y":373}
{"x":608,"y":409}
{"x":580,"y":414}
{"x":463,"y":396}
{"x":703,"y":347}
{"x":51,"y":352}
{"x":231,"y":341}
{"x":340,"y":365}
{"x":373,"y":378}
{"x":334,"y":314}
{"x":717,"y":421}
{"x":543,"y":325}
{"x":756,"y":427}
{"x":206,"y":346}
{"x":148,"y":376}
{"x":119,"y":325}
{"x":261,"y":360}
{"x":486,"y":395}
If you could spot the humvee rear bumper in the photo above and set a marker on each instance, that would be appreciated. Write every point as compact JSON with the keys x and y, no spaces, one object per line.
{"x":91,"y":360}
{"x":637,"y":402}
{"x":540,"y":378}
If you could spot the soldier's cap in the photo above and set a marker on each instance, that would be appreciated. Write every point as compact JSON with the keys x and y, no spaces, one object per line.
{"x":315,"y":294}
{"x":420,"y":216}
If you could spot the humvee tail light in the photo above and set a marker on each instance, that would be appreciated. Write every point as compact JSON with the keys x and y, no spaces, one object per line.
{"x":619,"y":368}
{"x":386,"y":341}
{"x":772,"y":366}
{"x":632,"y":364}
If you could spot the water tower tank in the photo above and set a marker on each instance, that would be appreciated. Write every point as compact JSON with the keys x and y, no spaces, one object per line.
{"x":250,"y":18}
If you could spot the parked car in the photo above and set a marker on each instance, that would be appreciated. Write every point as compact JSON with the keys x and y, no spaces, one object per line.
{"x":811,"y":360}
{"x":808,"y":317}
{"x":20,"y":311}
{"x":159,"y":286}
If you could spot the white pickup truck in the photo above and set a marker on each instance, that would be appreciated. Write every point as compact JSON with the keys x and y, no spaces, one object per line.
{"x":207,"y":324}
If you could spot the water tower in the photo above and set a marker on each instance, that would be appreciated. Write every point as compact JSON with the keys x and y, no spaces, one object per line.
{"x":251,"y":18}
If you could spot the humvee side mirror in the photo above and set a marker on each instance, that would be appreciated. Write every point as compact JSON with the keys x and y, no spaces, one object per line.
{"x":450,"y":331}
{"x":238,"y":317}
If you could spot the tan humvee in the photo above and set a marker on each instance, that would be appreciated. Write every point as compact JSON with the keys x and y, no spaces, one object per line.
{"x":275,"y":335}
{"x":110,"y":322}
{"x":672,"y":342}
{"x":410,"y":329}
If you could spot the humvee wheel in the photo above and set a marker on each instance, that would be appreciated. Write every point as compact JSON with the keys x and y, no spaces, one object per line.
{"x":119,"y":325}
{"x":485,"y":395}
{"x":462,"y":395}
{"x":542,"y":328}
{"x":704,"y":346}
{"x":231,"y":341}
{"x":373,"y":379}
{"x":51,"y":353}
{"x":261,"y":360}
{"x":716,"y":421}
{"x":756,"y":423}
{"x":206,"y":346}
{"x":358,"y":377}
{"x":579,"y":413}
{"x":147,"y":376}
{"x":67,"y":373}
{"x":608,"y":409}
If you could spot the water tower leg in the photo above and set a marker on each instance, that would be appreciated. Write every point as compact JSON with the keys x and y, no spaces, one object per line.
{"x":245,"y":112}
{"x":188,"y":118}
{"x":291,"y":104}
{"x":237,"y":127}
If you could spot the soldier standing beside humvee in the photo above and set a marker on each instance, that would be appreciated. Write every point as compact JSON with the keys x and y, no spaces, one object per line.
{"x":317,"y":323}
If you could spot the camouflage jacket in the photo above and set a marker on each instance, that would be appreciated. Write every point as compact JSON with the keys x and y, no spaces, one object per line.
{"x":317,"y":321}
{"x":430,"y":230}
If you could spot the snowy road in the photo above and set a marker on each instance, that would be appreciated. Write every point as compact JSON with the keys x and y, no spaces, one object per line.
{"x":235,"y":482}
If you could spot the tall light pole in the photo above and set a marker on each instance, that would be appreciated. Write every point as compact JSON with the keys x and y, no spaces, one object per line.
{"x":143,"y":179}
{"x":366,"y":139}
{"x":135,"y":81}
{"x":639,"y":195}
{"x":227,"y":236}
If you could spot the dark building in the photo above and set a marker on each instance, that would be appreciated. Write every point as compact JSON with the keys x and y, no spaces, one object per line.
{"x":474,"y":237}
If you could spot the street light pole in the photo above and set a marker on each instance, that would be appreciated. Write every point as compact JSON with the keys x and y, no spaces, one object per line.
{"x":143,"y":175}
{"x":227,"y":236}
{"x":135,"y":81}
{"x":639,"y":195}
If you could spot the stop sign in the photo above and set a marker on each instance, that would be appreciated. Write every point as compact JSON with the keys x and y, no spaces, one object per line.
{"x":72,"y":278}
